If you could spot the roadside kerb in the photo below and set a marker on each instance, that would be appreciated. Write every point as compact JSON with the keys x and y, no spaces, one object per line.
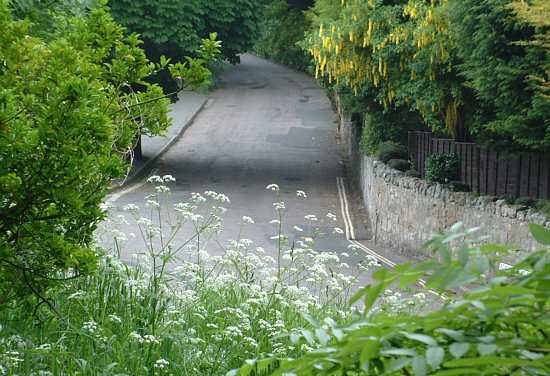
{"x":142,"y":170}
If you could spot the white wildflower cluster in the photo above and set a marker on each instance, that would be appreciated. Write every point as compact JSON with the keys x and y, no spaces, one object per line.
{"x":220,"y":197}
{"x":90,"y":327}
{"x":238,"y":296}
{"x":279,"y":206}
{"x":115,"y":319}
{"x":311,"y":217}
{"x":144,"y":339}
{"x":395,"y":302}
{"x":161,"y":363}
{"x":161,"y":179}
{"x":247,"y":219}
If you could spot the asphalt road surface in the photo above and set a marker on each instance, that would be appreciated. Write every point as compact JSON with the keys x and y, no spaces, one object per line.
{"x":265,"y":124}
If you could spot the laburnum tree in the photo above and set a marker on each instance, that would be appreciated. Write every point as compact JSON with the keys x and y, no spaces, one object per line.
{"x":70,"y":109}
{"x":441,"y":60}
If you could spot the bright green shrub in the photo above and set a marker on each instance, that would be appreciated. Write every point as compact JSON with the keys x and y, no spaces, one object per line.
{"x":68,"y":113}
{"x":399,"y":164}
{"x":442,"y":168}
{"x":391,"y":150}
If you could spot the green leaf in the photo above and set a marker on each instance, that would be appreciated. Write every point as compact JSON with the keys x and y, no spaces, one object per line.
{"x":487,"y":361}
{"x":459,"y":349}
{"x":421,"y":338}
{"x":369,"y":351}
{"x":358,"y":295}
{"x":540,"y":233}
{"x":322,"y":335}
{"x":457,"y":372}
{"x":295,"y":338}
{"x":372,"y":294}
{"x":397,"y":364}
{"x":457,"y":335}
{"x":397,"y":351}
{"x":486,"y":348}
{"x":311,"y":320}
{"x":419,"y":366}
{"x":434,"y":356}
{"x":309,"y":337}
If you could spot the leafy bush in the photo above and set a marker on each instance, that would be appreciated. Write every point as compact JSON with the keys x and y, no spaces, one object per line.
{"x":399,"y":164}
{"x":495,"y":326}
{"x":175,"y":28}
{"x":391,"y":150}
{"x":442,"y":168}
{"x":380,"y":126}
{"x":282,"y":28}
{"x":490,"y":41}
{"x":69,"y":112}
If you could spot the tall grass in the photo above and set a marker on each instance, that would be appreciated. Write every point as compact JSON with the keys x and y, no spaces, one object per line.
{"x":176,"y":309}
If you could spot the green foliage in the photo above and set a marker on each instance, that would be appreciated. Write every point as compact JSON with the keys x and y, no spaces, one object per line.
{"x":390,"y":150}
{"x":399,"y":164}
{"x":282,"y":28}
{"x":525,"y":201}
{"x":380,"y":126}
{"x":177,"y":309}
{"x":175,"y":28}
{"x":497,"y":326}
{"x":413,"y":173}
{"x":467,"y":69}
{"x":544,"y":207}
{"x":70,"y":109}
{"x":442,"y":168}
{"x":507,"y":110}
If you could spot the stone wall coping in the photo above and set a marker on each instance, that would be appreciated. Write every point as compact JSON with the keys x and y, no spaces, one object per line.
{"x":438,"y":191}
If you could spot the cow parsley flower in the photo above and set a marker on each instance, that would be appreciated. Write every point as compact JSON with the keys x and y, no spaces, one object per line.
{"x":161,"y":364}
{"x":247,"y":219}
{"x":301,"y":194}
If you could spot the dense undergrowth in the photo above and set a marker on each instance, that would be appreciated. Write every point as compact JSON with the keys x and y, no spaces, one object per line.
{"x":174,"y":308}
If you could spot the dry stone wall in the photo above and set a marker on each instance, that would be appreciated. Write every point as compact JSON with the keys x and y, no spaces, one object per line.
{"x":404,"y":212}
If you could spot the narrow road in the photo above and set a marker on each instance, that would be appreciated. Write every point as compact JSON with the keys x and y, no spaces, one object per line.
{"x":266,"y":124}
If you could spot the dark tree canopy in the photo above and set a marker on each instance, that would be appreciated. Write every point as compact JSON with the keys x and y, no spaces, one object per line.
{"x":175,"y":28}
